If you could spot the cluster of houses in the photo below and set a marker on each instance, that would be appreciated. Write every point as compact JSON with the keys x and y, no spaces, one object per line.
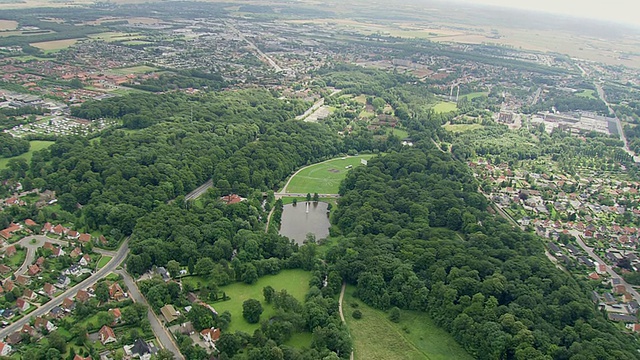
{"x":619,"y":305}
{"x":207,"y":338}
{"x":70,"y":234}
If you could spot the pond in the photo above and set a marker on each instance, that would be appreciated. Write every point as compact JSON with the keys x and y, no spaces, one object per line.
{"x":304,"y":218}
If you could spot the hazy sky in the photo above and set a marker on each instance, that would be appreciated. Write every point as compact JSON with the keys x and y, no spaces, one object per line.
{"x":622,"y":11}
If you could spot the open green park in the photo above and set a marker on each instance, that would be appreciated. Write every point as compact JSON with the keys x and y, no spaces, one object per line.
{"x":324,"y":177}
{"x":589,"y":94}
{"x":415,"y":336}
{"x":35,"y":146}
{"x":457,"y":128}
{"x":295,"y":282}
{"x":445,"y":106}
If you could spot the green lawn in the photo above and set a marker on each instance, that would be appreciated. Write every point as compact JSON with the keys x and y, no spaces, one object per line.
{"x":16,"y":260}
{"x":474,"y":95}
{"x":133,"y":70}
{"x":103,"y":261}
{"x":325,"y":177}
{"x":456,"y":128}
{"x":586,"y":93}
{"x":35,"y":146}
{"x":402,"y":134}
{"x":296,"y":282}
{"x":445,"y":106}
{"x":376,"y":337}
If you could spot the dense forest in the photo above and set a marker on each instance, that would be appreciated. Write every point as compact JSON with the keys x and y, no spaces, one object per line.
{"x":416,"y":236}
{"x":10,"y":146}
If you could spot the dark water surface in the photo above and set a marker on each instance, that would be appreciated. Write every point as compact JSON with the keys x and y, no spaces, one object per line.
{"x":297,"y":223}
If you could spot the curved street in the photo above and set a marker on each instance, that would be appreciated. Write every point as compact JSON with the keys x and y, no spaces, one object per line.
{"x":118,"y":258}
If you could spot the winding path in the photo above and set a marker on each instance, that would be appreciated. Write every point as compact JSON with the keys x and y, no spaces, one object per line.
{"x":344,"y":287}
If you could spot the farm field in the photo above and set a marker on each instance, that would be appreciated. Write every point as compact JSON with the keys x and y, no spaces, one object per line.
{"x":296,"y":282}
{"x":8,"y":25}
{"x":445,"y":106}
{"x":456,"y":128}
{"x":55,"y":45}
{"x":416,"y":336}
{"x":324,"y":177}
{"x":35,"y":146}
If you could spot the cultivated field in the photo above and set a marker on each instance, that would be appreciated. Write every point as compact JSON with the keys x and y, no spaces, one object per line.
{"x":296,"y":282}
{"x":55,"y":45}
{"x":416,"y":336}
{"x":8,"y":25}
{"x":35,"y":146}
{"x":445,"y":106}
{"x":324,"y":178}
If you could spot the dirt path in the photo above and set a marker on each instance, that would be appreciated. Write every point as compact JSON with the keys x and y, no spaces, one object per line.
{"x":344,"y":287}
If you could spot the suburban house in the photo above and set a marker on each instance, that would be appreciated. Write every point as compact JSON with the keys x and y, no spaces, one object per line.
{"x":58,"y":252}
{"x":84,"y":238}
{"x":59,"y":230}
{"x":30,"y":222}
{"x":8,"y":285}
{"x":46,"y":228}
{"x":23,"y":280}
{"x":49,"y":289}
{"x":47,"y":245}
{"x":116,"y":292}
{"x":5,"y":349}
{"x":169,"y":313}
{"x":72,"y":234}
{"x":210,"y":336}
{"x":63,"y":282}
{"x":14,"y":338}
{"x":117,"y":315}
{"x":10,"y":251}
{"x":75,"y":252}
{"x":42,"y":323}
{"x":28,"y":329}
{"x":78,"y":357}
{"x":29,"y":294}
{"x":82,"y":296}
{"x":33,"y":270}
{"x":4,"y":269}
{"x":107,"y":335}
{"x":68,"y":304}
{"x":85,"y":260}
{"x":22,"y":304}
{"x":139,"y":349}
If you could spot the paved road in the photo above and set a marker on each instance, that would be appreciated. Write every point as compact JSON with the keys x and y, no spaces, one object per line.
{"x":264,"y":56}
{"x":626,"y":148}
{"x":162,"y":334}
{"x":199,"y":190}
{"x":39,"y":242}
{"x":610,"y":271}
{"x":46,"y":308}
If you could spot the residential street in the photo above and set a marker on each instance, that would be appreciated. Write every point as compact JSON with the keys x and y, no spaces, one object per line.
{"x":162,"y":334}
{"x":71,"y":292}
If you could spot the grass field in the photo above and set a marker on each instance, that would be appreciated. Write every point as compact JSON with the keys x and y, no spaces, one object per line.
{"x":113,"y":36}
{"x":402,"y":134}
{"x":54,"y":45}
{"x":456,"y":128}
{"x":296,"y":282}
{"x":375,"y":337}
{"x":474,"y":95}
{"x":586,"y":93}
{"x":16,"y":260}
{"x":445,"y":106}
{"x":325,"y":177}
{"x":35,"y":146}
{"x":133,"y":70}
{"x":103,"y":261}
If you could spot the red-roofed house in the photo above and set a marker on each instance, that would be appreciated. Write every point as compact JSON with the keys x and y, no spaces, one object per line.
{"x":47,"y":228}
{"x":4,"y":269}
{"x":84,"y":238}
{"x":59,"y":230}
{"x":10,"y":251}
{"x":22,"y":304}
{"x":116,"y":292}
{"x":47,"y":245}
{"x":72,"y":234}
{"x":33,"y":269}
{"x":86,"y":259}
{"x":40,"y":261}
{"x":75,"y":252}
{"x":49,"y":289}
{"x":8,"y":285}
{"x":82,"y":296}
{"x":23,"y":280}
{"x":210,"y":336}
{"x":231,"y":199}
{"x":107,"y":335}
{"x":58,"y":252}
{"x":5,"y":349}
{"x":78,"y":357}
{"x":30,"y":222}
{"x":117,"y":315}
{"x":29,"y":294}
{"x":42,"y":323}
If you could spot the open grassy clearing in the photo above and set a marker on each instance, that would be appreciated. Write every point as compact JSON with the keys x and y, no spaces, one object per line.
{"x":55,"y":45}
{"x":445,"y":106}
{"x":133,"y":70}
{"x":296,"y":282}
{"x":586,"y":93}
{"x":402,"y":134}
{"x":416,"y":336}
{"x":103,"y":261}
{"x":35,"y":146}
{"x":456,"y":128}
{"x":474,"y":95}
{"x":324,"y":178}
{"x":16,"y":260}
